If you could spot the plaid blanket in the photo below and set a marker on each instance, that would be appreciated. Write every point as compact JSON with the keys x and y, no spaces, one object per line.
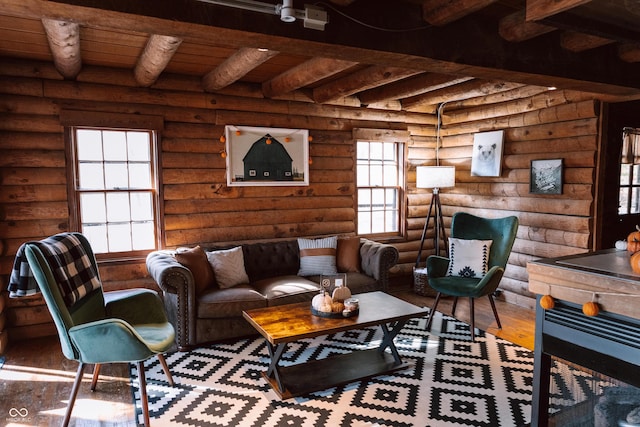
{"x":70,"y":264}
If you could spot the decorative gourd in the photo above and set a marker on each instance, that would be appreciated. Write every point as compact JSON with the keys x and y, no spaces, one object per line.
{"x":341,"y":293}
{"x":635,"y":262}
{"x":327,"y":299}
{"x":316,"y":302}
{"x":337,"y":307}
{"x":621,"y":245}
{"x":590,"y":309}
{"x":325,"y":304}
{"x":325,"y":308}
{"x":633,"y":241}
{"x":547,"y":302}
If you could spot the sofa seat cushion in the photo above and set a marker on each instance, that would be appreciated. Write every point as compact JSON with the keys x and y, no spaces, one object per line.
{"x":286,"y":289}
{"x":230,"y":302}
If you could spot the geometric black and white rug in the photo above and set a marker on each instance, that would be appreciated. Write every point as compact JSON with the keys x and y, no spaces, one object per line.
{"x":451,"y":381}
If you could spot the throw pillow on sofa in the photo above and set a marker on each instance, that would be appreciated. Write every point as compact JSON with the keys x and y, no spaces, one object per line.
{"x":348,"y":254}
{"x":228,"y":266}
{"x":318,"y":256}
{"x":195,"y":259}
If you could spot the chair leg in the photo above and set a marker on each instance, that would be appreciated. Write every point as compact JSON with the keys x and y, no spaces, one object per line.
{"x":432,"y":312}
{"x":96,"y":374}
{"x":165,"y":368}
{"x":453,"y":307}
{"x":143,"y":393}
{"x":495,"y":312}
{"x":74,"y":393}
{"x":473,"y":322}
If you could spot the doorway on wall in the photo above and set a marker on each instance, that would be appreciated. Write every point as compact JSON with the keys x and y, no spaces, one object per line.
{"x":619,"y":189}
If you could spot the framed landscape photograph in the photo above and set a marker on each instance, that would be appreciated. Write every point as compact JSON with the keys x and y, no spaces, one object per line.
{"x":260,"y":156}
{"x":546,"y":176}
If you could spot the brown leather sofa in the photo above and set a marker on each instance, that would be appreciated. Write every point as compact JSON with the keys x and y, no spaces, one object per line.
{"x":216,"y":314}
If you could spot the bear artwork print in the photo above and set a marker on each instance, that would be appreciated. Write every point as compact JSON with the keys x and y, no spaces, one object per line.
{"x":486,"y":159}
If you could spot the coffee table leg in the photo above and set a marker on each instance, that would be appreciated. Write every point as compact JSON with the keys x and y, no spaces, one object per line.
{"x":275,"y":353}
{"x":387,"y":341}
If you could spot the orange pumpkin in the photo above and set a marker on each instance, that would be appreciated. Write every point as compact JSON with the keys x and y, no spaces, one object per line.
{"x":547,"y":302}
{"x":634,"y":260}
{"x":590,"y":308}
{"x":633,"y":241}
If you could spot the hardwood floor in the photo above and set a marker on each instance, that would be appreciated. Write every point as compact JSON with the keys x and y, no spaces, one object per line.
{"x":36,"y":379}
{"x":518,"y":323}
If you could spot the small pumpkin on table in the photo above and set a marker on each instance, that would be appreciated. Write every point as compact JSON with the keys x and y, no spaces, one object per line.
{"x":332,"y":305}
{"x":633,"y":240}
{"x":633,"y":246}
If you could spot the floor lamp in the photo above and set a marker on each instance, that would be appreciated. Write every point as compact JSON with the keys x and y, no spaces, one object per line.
{"x":435,"y":177}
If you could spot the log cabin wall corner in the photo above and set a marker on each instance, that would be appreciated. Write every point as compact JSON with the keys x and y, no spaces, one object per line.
{"x":200,"y":208}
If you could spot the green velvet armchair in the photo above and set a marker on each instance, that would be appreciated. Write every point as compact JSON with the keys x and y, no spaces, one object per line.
{"x":96,"y":327}
{"x":502,"y":232}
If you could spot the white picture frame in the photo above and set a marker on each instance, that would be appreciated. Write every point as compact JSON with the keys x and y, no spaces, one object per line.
{"x":486,"y":159}
{"x":263,"y":156}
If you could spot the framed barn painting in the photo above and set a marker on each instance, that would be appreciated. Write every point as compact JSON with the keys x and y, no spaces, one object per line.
{"x":546,"y":176}
{"x":260,"y":156}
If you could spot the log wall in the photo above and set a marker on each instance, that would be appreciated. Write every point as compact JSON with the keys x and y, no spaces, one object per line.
{"x":552,"y":125}
{"x":200,"y":208}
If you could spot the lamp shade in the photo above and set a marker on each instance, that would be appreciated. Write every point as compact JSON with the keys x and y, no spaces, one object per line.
{"x":435,"y":176}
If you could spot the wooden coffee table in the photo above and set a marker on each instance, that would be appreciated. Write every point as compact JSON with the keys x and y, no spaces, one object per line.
{"x":281,"y":325}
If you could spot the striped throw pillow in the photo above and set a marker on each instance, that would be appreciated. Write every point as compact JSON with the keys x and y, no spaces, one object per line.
{"x":318,"y":256}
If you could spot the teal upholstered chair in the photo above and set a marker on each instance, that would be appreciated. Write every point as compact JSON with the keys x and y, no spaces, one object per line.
{"x":96,"y":327}
{"x":502,"y":232}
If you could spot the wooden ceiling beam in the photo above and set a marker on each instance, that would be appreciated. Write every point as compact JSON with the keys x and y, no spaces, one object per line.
{"x":540,"y":9}
{"x":464,"y":90}
{"x":442,"y":12}
{"x":515,"y":28}
{"x":235,"y":67}
{"x":409,"y":87}
{"x":610,"y":20}
{"x":359,"y":81}
{"x":154,"y":59}
{"x":342,"y":2}
{"x":579,"y":42}
{"x":304,"y":74}
{"x":465,"y":50}
{"x":524,"y":91}
{"x":64,"y":42}
{"x":629,"y":52}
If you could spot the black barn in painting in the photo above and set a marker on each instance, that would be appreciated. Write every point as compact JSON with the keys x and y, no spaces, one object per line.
{"x":268,"y":160}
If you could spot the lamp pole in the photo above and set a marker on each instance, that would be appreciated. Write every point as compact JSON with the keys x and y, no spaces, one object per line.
{"x":436,"y":178}
{"x":436,"y":208}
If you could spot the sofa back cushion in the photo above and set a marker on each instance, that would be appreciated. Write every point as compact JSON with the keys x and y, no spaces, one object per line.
{"x":228,"y":267}
{"x":271,"y":259}
{"x":348,"y":254}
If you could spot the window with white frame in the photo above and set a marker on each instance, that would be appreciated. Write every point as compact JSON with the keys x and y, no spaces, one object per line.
{"x":379,"y":181}
{"x":115,"y":188}
{"x":629,"y":197}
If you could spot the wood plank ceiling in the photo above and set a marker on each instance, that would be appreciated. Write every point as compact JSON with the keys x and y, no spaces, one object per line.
{"x":404,"y":55}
